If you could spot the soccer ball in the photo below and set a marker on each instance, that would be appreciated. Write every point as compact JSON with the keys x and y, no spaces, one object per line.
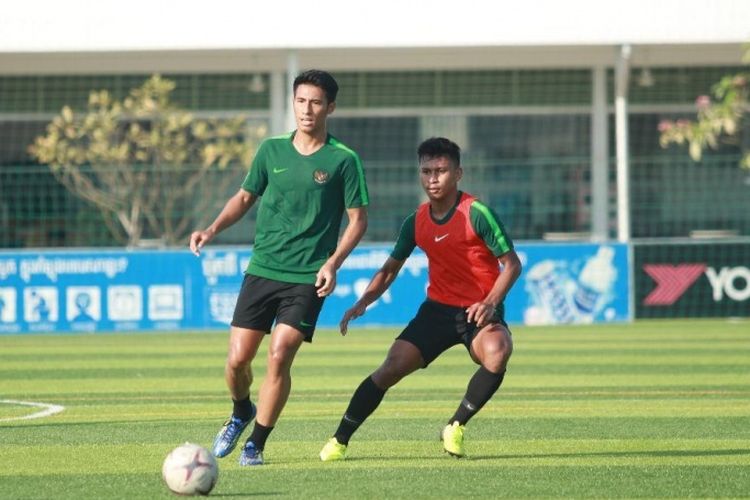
{"x":190,"y":469}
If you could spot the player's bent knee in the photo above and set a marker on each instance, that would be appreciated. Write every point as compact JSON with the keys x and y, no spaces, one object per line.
{"x":495,"y":365}
{"x":278,"y":356}
{"x":388,"y":375}
{"x":237,"y":362}
{"x":495,"y":356}
{"x":502,"y":345}
{"x":506,"y":349}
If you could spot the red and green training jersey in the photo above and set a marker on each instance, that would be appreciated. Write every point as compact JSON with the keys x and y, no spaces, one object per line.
{"x":462,"y":249}
{"x":303,"y":198}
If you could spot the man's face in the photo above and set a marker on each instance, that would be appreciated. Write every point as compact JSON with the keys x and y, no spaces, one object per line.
{"x":311,"y":108}
{"x":439,"y":177}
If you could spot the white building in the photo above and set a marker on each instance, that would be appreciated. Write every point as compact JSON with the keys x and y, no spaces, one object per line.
{"x":552,"y":102}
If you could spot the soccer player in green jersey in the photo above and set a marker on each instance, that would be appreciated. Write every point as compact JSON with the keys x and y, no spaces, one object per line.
{"x":305,"y":180}
{"x":466,"y":247}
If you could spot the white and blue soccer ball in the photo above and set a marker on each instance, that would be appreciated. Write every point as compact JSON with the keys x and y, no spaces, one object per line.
{"x":190,"y":469}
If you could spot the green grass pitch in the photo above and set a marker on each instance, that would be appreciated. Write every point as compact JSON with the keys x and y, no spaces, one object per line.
{"x":651,"y":409}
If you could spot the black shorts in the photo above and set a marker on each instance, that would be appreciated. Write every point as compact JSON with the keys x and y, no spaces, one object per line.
{"x":438,"y":327}
{"x":261,"y":301}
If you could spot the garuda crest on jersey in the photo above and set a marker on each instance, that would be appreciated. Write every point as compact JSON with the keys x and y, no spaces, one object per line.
{"x":320,"y":176}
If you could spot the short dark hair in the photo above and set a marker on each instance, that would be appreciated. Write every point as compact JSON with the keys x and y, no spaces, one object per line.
{"x":436,"y":147}
{"x":319,"y":78}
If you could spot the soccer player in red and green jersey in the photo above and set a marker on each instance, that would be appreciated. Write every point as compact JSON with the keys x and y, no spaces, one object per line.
{"x":305,"y":180}
{"x":472,"y":266}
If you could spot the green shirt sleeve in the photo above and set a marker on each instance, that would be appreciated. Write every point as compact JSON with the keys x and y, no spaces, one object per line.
{"x":256,"y":179}
{"x":487,"y":225}
{"x":407,"y":240}
{"x":355,"y":186}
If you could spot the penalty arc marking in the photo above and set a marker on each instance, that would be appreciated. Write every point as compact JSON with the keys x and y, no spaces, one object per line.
{"x":49,"y":409}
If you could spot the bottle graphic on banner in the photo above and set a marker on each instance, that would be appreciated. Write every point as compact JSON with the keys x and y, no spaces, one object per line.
{"x":594,"y":283}
{"x":551,"y":290}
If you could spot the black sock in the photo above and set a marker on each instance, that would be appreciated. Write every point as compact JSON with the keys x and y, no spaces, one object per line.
{"x":364,"y":401}
{"x":259,"y":435}
{"x":482,"y":386}
{"x":243,"y":409}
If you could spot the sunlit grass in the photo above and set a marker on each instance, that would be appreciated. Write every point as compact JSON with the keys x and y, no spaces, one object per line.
{"x":652,"y":409}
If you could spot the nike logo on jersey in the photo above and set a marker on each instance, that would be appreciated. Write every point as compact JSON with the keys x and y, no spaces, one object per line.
{"x":440,"y":238}
{"x":279,"y":170}
{"x":305,"y":324}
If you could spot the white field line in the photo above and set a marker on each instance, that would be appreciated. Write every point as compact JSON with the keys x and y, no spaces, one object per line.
{"x":48,"y":410}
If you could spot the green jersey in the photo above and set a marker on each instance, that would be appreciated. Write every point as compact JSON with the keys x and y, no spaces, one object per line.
{"x":302,"y":203}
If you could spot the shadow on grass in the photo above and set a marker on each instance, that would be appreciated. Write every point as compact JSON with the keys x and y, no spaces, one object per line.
{"x":612,"y":454}
{"x":248,"y":494}
{"x":652,"y":453}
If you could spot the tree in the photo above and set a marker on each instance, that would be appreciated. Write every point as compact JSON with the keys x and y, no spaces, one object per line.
{"x":718,"y":120}
{"x":144,"y":163}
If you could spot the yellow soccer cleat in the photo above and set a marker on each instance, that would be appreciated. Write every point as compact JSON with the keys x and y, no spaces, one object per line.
{"x":332,"y":451}
{"x":453,"y":439}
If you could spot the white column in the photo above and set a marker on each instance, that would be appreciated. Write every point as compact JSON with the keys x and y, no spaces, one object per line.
{"x":278,"y":99}
{"x":599,"y":156}
{"x":622,"y":75}
{"x":292,"y":69}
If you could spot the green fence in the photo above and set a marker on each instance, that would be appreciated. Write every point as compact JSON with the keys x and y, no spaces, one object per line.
{"x":526,"y":137}
{"x":669,"y":199}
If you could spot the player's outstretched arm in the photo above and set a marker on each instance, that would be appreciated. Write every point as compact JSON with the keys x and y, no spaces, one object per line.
{"x":233,"y":210}
{"x":480,"y":312}
{"x":325,"y":281}
{"x":379,"y":283}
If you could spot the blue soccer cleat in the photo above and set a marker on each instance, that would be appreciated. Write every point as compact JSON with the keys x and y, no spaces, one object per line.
{"x":229,"y":435}
{"x":251,"y":455}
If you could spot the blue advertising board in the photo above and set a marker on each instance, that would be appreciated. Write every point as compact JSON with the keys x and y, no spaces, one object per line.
{"x":109,"y":290}
{"x":568,"y":283}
